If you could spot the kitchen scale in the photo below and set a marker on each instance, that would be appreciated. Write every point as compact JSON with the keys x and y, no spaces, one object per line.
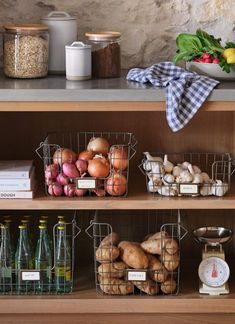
{"x":213,"y":270}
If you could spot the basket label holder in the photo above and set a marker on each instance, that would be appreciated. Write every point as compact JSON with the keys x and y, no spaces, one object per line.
{"x":86,"y":183}
{"x":30,"y":275}
{"x":188,"y":188}
{"x":133,"y":275}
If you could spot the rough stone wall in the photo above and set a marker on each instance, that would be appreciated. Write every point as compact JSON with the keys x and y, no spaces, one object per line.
{"x":149,"y":27}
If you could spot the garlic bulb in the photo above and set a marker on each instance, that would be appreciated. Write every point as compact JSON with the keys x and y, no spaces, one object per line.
{"x":147,"y":165}
{"x":198,"y":178}
{"x":168,"y":166}
{"x":176,"y":170}
{"x":219,"y":188}
{"x":205,"y":190}
{"x":185,"y":165}
{"x":153,"y":186}
{"x":166,"y":191}
{"x":205,"y":177}
{"x":196,"y":169}
{"x":185,"y":177}
{"x":168,"y":178}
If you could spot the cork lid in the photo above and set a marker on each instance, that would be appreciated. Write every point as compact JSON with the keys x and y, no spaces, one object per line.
{"x":25,"y":27}
{"x":103,"y":36}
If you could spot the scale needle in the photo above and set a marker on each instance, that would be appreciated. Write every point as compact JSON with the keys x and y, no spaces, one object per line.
{"x":214,"y":273}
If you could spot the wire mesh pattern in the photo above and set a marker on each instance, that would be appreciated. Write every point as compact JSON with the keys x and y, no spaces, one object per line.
{"x":57,"y":279}
{"x":124,"y":142}
{"x":192,"y":174}
{"x":138,"y":254}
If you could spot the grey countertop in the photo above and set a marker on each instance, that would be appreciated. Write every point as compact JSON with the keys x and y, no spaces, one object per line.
{"x":57,"y":88}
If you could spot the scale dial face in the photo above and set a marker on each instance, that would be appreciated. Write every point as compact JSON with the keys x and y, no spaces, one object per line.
{"x":213,"y":272}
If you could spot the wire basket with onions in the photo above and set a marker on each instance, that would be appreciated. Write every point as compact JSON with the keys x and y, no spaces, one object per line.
{"x":78,"y":164}
{"x":188,"y":174}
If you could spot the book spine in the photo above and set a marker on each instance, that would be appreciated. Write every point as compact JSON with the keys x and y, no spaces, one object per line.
{"x":16,"y":194}
{"x":13,"y":185}
{"x":14,"y":175}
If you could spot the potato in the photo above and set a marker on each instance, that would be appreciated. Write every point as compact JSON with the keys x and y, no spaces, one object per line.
{"x":152,"y":246}
{"x":171,"y":246}
{"x":160,"y":273}
{"x":107,"y":253}
{"x":157,"y":235}
{"x":111,"y":239}
{"x":132,"y":254}
{"x":170,"y":261}
{"x":149,"y":287}
{"x":116,"y":286}
{"x":113,"y":270}
{"x":169,"y":286}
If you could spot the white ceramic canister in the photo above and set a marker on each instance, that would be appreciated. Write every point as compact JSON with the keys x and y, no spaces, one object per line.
{"x":78,"y":61}
{"x":63,"y":31}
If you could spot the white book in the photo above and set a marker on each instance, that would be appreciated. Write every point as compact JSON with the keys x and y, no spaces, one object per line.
{"x":18,"y":184}
{"x":16,"y":169}
{"x":17,"y":194}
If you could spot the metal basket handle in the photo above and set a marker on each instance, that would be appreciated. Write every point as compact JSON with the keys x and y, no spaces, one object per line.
{"x":42,"y":145}
{"x":133,"y":146}
{"x":88,"y":228}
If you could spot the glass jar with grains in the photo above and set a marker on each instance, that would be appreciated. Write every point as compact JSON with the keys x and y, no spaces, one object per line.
{"x":106,"y":54}
{"x":25,"y":50}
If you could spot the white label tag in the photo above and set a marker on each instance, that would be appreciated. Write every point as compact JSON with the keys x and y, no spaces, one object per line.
{"x":136,"y":275}
{"x":31,"y":275}
{"x":86,"y":184}
{"x":189,"y":188}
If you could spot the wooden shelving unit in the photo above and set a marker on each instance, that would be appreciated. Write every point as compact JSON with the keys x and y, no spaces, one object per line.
{"x":24,"y":123}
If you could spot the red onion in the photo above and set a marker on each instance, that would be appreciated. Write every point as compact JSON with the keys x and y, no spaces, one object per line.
{"x":51,"y":171}
{"x":81,"y":166}
{"x":55,"y":189}
{"x":70,"y":170}
{"x":69,"y":190}
{"x":62,"y":179}
{"x":80,"y":192}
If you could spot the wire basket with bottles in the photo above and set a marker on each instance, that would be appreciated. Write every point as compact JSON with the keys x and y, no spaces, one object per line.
{"x":80,"y":164}
{"x":43,"y":266}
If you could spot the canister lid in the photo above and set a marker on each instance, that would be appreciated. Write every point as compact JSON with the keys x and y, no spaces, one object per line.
{"x":25,"y":27}
{"x":103,"y":36}
{"x":58,"y":16}
{"x":78,"y":46}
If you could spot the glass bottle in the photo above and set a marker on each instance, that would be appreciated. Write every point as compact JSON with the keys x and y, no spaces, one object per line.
{"x":5,"y":260}
{"x":23,"y":260}
{"x":63,"y":263}
{"x":43,"y":260}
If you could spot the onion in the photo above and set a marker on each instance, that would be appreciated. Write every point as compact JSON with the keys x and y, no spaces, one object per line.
{"x":62,"y":179}
{"x":80,"y":192}
{"x":98,"y":145}
{"x":69,"y":190}
{"x":70,"y":170}
{"x":51,"y":171}
{"x":99,"y":192}
{"x":119,"y":157}
{"x":116,"y":184}
{"x":55,"y":189}
{"x":86,"y":155}
{"x":98,"y":167}
{"x":63,"y":155}
{"x":81,"y":166}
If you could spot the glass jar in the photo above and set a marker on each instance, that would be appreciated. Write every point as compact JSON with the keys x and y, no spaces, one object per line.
{"x":106,"y":54}
{"x":25,"y":51}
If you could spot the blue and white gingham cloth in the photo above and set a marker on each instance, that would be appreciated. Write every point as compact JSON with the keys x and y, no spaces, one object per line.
{"x":185,"y":91}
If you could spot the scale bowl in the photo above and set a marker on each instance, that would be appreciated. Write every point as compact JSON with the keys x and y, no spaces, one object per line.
{"x":212,"y":235}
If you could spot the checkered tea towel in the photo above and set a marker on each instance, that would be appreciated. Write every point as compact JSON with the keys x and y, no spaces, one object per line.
{"x":185,"y":91}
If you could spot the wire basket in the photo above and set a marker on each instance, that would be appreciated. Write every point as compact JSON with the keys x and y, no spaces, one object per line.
{"x":34,"y":281}
{"x":80,"y":183}
{"x":124,"y":265}
{"x":188,"y":174}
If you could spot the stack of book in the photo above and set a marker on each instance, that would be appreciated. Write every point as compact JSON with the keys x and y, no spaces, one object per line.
{"x":17,"y":179}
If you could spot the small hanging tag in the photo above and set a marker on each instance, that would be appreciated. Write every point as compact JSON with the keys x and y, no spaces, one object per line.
{"x":86,"y":183}
{"x":30,"y":275}
{"x":189,"y":189}
{"x":136,"y":275}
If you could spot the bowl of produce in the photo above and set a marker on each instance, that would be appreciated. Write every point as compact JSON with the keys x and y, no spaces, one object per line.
{"x":204,"y":54}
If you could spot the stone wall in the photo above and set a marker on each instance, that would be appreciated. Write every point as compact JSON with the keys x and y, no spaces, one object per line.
{"x":149,"y":27}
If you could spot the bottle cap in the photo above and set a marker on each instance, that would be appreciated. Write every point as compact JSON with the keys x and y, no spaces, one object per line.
{"x":61,"y":222}
{"x":7,"y":221}
{"x":22,"y":227}
{"x":60,"y":227}
{"x":42,"y":221}
{"x":27,"y":217}
{"x":24,"y":221}
{"x":42,"y":227}
{"x":44,"y":217}
{"x":60,"y":217}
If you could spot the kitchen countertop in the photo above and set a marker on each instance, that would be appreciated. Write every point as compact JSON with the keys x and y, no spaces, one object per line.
{"x":57,"y":88}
